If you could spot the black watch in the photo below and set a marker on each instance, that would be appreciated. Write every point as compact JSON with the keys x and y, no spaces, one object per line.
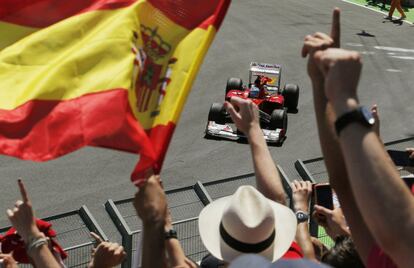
{"x":302,"y":216}
{"x":170,"y":234}
{"x":360,"y":115}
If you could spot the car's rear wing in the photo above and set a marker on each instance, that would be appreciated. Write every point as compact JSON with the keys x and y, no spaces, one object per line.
{"x":266,"y":69}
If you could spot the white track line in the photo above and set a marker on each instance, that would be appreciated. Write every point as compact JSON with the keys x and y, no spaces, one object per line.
{"x":373,"y":9}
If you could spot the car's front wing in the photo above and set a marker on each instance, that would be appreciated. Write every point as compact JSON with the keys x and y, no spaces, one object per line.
{"x":227,"y":132}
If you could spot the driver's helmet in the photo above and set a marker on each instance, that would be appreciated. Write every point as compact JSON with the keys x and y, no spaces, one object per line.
{"x":264,"y":80}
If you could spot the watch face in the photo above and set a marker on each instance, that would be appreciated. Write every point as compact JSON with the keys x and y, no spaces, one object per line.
{"x":302,"y":216}
{"x":368,"y":115}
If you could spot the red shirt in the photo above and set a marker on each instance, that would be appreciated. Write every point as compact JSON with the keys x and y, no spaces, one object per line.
{"x":294,"y":252}
{"x":378,"y":259}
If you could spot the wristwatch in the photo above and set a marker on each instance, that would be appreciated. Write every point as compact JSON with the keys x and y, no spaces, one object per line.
{"x":170,"y":234}
{"x":360,"y":115}
{"x":302,"y":216}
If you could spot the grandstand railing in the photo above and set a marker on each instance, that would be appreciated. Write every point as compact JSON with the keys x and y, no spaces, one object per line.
{"x":185,"y":205}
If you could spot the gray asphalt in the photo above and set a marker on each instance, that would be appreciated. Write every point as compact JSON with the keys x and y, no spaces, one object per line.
{"x":262,"y":30}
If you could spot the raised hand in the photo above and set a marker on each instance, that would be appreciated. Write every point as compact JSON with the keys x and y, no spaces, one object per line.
{"x":341,"y":69}
{"x":22,"y":218}
{"x":150,"y":202}
{"x":320,"y":41}
{"x":332,"y":220}
{"x":106,"y":254}
{"x":244,"y":114}
{"x":301,"y":192}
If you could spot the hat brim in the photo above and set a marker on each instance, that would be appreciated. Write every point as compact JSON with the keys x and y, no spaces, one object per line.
{"x":209,"y":228}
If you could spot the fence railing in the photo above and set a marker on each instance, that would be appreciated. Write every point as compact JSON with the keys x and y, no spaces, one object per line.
{"x":185,"y":205}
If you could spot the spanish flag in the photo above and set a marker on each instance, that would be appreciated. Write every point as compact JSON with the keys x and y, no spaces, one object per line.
{"x":108,"y":73}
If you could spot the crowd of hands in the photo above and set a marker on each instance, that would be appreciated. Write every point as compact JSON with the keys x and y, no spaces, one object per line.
{"x":356,"y":161}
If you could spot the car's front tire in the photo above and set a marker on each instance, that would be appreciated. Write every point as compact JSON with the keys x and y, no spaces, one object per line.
{"x":278,"y":119}
{"x":217,"y":113}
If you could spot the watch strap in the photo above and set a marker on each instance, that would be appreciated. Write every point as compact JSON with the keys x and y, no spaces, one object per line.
{"x":170,"y":234}
{"x":356,"y":115}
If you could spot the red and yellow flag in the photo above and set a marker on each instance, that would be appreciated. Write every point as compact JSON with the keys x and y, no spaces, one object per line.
{"x":108,"y":73}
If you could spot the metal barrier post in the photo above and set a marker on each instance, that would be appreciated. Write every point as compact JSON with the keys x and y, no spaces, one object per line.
{"x":286,"y":185}
{"x":123,"y":228}
{"x":91,"y":223}
{"x":202,"y":193}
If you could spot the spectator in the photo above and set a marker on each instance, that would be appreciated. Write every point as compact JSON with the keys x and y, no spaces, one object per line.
{"x":355,"y":158}
{"x":245,"y":115}
{"x":151,"y":206}
{"x":38,"y":246}
{"x":395,"y":4}
{"x":106,"y":254}
{"x":246,"y":222}
{"x":343,"y":254}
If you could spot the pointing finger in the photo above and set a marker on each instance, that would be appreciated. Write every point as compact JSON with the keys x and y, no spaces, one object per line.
{"x":336,"y":27}
{"x":23,"y":191}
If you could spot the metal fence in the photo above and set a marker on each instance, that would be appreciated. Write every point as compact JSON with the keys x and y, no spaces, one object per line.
{"x":185,"y":205}
{"x":73,"y":230}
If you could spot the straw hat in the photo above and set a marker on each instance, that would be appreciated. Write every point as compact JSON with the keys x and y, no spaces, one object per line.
{"x":247,"y":222}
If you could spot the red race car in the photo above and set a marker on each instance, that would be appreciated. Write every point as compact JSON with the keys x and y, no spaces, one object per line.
{"x":265,"y":91}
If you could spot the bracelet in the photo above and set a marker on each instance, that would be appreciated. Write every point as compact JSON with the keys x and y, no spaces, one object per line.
{"x":36,"y":243}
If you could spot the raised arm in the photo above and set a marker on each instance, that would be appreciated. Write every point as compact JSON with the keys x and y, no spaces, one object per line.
{"x":151,"y":206}
{"x":325,"y":117}
{"x":245,"y":115}
{"x":384,"y":201}
{"x":301,"y":192}
{"x":22,"y":218}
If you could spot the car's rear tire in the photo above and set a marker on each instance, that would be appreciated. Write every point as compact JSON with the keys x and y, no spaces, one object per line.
{"x":217,"y":113}
{"x":291,"y":95}
{"x":234,"y":84}
{"x":278,"y":119}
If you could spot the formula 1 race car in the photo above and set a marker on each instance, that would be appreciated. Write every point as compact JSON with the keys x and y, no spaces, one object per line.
{"x":265,"y":91}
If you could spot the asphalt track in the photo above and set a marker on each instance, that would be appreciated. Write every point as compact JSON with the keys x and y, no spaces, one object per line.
{"x":262,"y":30}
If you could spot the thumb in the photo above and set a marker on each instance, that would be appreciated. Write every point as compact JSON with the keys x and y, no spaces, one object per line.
{"x":322,"y":210}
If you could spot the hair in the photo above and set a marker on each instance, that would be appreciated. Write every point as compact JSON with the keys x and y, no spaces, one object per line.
{"x":343,"y":254}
